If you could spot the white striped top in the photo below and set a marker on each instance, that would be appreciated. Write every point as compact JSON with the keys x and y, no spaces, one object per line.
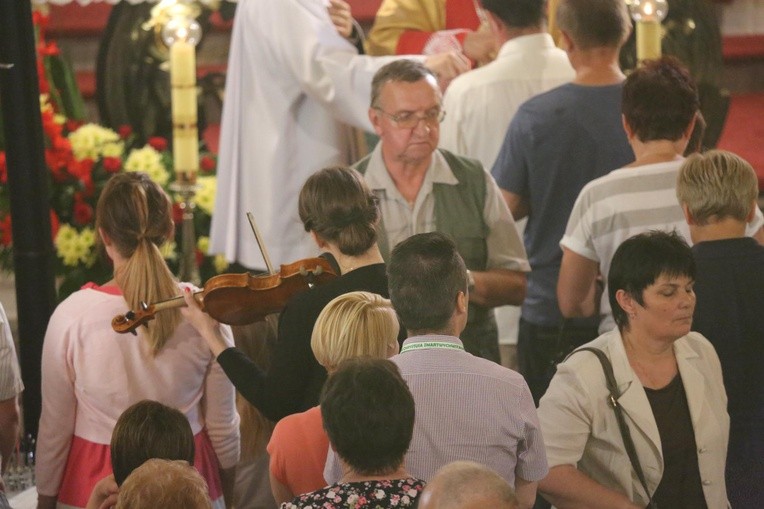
{"x":622,"y":204}
{"x":10,"y":374}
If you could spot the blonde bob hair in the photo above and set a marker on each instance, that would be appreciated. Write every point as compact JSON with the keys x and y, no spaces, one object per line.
{"x":353,"y":325}
{"x":717,"y":185}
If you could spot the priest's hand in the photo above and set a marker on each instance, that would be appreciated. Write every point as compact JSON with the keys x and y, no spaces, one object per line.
{"x":447,"y":66}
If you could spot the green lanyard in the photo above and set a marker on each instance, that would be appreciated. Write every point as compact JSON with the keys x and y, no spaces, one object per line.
{"x":431,"y":344}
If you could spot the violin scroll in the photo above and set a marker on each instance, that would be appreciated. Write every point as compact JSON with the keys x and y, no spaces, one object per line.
{"x":131,"y":320}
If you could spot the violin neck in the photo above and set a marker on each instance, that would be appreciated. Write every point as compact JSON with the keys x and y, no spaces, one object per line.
{"x":177,"y":302}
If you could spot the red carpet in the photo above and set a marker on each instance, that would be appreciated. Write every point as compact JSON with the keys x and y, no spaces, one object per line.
{"x":743,"y":132}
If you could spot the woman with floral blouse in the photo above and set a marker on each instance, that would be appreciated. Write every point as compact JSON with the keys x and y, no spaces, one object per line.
{"x":368,"y":413}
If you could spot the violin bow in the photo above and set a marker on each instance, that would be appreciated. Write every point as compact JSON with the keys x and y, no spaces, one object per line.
{"x":260,"y":243}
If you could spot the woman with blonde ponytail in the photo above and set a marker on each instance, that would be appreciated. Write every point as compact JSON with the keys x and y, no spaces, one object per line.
{"x":90,"y":374}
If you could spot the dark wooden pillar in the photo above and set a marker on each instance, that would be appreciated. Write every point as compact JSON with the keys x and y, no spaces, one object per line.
{"x":28,"y":185}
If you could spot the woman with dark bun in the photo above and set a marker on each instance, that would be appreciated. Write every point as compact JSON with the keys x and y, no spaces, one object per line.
{"x":340,"y":213}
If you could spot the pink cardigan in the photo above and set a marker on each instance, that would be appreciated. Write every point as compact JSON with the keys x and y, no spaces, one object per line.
{"x":90,"y":374}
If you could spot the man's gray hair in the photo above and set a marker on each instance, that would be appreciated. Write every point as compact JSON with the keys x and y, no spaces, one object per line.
{"x":404,"y":70}
{"x":462,"y":482}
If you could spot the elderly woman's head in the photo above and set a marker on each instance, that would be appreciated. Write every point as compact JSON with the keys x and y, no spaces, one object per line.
{"x":164,"y":483}
{"x":651,"y":282}
{"x":353,"y":325}
{"x":337,"y":206}
{"x":368,"y":414}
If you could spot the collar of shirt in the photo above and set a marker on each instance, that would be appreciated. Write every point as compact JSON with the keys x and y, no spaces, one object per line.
{"x":379,"y":180}
{"x":525,"y":44}
{"x":433,"y":338}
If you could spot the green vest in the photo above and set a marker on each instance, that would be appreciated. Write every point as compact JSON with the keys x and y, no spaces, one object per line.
{"x":458,"y":210}
{"x":459,"y":214}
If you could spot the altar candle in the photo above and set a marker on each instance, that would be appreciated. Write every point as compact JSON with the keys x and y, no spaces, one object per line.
{"x":648,"y":40}
{"x":184,"y":112}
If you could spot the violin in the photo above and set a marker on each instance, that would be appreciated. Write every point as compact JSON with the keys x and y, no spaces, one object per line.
{"x":239,"y":299}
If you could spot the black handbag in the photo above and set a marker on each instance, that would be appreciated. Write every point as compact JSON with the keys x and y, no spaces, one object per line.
{"x":628,"y":443}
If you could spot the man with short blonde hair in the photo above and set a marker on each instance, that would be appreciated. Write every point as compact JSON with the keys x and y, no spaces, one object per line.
{"x":717,"y":191}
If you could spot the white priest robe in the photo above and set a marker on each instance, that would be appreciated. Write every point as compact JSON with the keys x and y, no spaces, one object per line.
{"x":293,"y":84}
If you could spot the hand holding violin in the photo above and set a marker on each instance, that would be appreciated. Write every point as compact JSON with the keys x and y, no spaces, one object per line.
{"x":208,"y":327}
{"x":240,"y":299}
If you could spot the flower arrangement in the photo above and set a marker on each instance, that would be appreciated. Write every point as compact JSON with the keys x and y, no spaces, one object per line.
{"x":80,"y":158}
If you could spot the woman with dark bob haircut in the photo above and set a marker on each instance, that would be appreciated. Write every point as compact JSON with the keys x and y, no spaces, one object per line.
{"x":368,"y":414}
{"x":669,"y":389}
{"x":340,"y":213}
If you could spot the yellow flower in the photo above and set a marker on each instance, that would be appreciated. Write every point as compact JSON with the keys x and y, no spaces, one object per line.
{"x":113,"y":150}
{"x":59,"y":119}
{"x":220,"y":263}
{"x":45,"y":102}
{"x":149,"y":161}
{"x":205,"y":195}
{"x":203,"y":244}
{"x":90,"y":140}
{"x":169,"y":250}
{"x":75,"y":247}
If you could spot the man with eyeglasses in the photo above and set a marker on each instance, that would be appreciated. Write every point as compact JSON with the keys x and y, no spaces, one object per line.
{"x":422,"y":189}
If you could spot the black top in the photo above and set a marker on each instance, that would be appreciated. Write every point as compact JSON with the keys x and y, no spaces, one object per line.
{"x":680,"y":485}
{"x":294,"y":379}
{"x":730,"y":313}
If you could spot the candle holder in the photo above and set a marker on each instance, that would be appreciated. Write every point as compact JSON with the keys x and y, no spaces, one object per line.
{"x":181,"y":33}
{"x":186,"y":189}
{"x":648,"y":15}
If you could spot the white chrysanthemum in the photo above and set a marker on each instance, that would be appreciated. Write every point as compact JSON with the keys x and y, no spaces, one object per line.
{"x":149,"y":161}
{"x":205,"y":194}
{"x":90,"y":140}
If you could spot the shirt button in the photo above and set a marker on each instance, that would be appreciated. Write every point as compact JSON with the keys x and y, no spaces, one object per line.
{"x":706,"y":482}
{"x":702,"y":450}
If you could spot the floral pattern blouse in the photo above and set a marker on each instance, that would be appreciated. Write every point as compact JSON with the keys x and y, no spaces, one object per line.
{"x":365,"y":494}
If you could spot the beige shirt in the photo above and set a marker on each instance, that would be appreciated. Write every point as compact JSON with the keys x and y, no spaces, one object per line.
{"x":580,"y":428}
{"x":402,"y":220}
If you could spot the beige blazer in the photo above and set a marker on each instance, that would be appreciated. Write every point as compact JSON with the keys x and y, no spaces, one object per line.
{"x":580,"y":428}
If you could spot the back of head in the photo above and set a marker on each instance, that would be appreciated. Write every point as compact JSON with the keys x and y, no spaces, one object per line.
{"x":717,"y":185}
{"x":660,"y":99}
{"x":594,"y":23}
{"x":164,"y":483}
{"x":338,"y":206}
{"x":425,"y":275}
{"x":136,"y":215}
{"x":467,"y":485}
{"x":368,"y":414}
{"x":517,"y":13}
{"x":355,"y":324}
{"x":146,"y":430}
{"x":402,"y":70}
{"x":640,"y":260}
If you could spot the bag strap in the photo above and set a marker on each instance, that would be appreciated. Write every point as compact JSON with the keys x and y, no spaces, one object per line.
{"x":628,"y":443}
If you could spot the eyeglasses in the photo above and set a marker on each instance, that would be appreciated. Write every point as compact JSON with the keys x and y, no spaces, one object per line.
{"x":409,"y":119}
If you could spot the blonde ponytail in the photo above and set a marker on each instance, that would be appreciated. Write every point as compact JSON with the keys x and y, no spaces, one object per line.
{"x":135,"y":213}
